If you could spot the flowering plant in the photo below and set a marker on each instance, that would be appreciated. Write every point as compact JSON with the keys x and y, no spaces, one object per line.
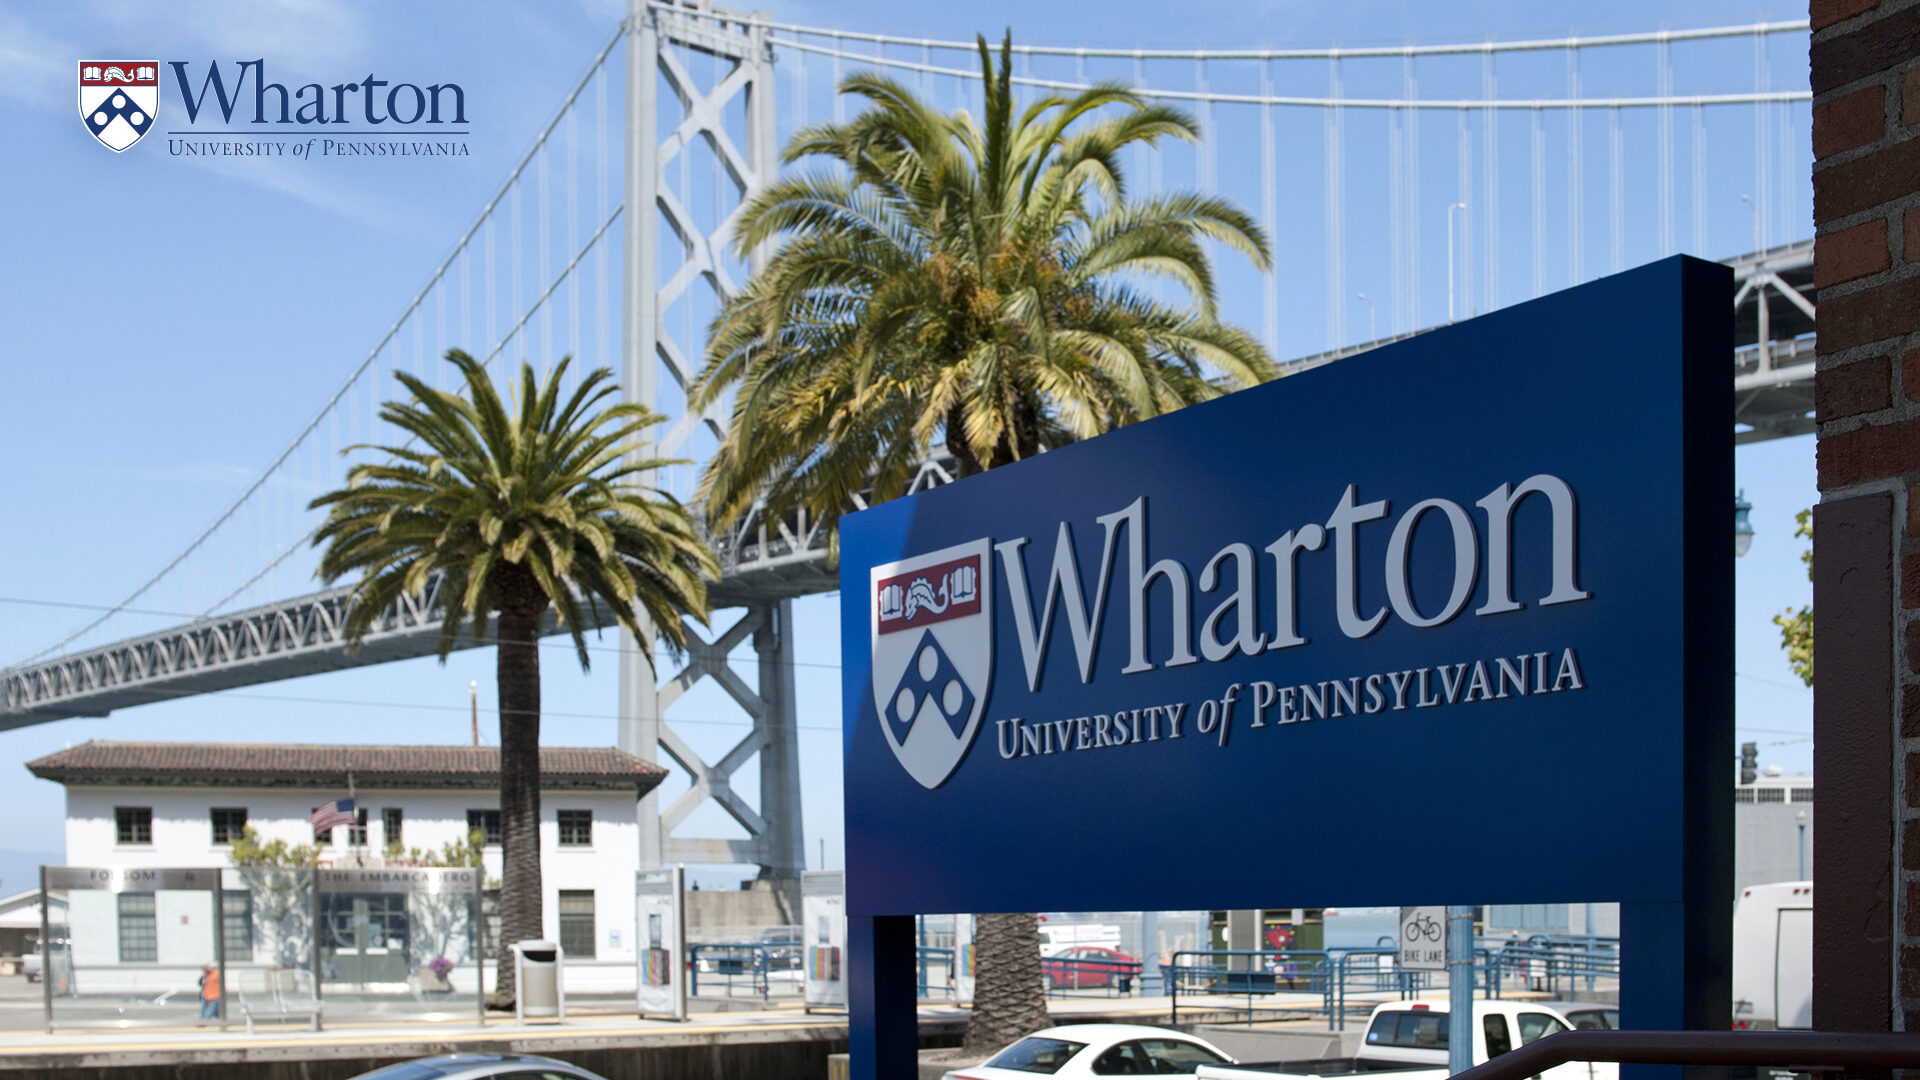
{"x":440,"y":965}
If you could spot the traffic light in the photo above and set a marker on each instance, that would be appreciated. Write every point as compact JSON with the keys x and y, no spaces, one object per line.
{"x":1749,"y":762}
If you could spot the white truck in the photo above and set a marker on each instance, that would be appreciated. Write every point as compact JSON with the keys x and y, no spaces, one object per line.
{"x":1773,"y":956}
{"x":1407,"y":1040}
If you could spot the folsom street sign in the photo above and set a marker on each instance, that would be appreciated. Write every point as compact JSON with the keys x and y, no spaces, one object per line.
{"x":1450,"y":620}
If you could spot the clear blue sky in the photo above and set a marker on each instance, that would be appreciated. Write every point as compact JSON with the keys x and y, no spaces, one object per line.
{"x":167,"y":323}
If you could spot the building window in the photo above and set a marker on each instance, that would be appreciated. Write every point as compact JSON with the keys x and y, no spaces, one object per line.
{"x":236,"y":923}
{"x":576,"y":828}
{"x":1772,"y":794}
{"x":490,"y":919}
{"x":1743,"y":795}
{"x":576,"y":923}
{"x":357,"y":832}
{"x":228,"y":823}
{"x":486,"y":822}
{"x":1803,"y":794}
{"x":390,"y":826}
{"x":139,"y":932}
{"x":133,"y":824}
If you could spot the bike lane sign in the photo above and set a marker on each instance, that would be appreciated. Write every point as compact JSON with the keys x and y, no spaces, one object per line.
{"x":1423,"y":938}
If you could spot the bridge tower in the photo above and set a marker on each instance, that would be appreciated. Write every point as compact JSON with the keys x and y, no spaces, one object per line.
{"x":656,"y":34}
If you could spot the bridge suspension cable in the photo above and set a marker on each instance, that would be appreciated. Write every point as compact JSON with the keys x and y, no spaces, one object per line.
{"x":1382,"y":188}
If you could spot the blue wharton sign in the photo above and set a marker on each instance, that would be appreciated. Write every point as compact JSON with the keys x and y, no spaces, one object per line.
{"x":1446,"y":622}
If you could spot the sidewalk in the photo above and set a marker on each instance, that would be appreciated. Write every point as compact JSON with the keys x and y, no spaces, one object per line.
{"x":23,"y":1051}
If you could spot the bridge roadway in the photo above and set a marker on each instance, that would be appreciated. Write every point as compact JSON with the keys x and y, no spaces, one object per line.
{"x":764,"y":561}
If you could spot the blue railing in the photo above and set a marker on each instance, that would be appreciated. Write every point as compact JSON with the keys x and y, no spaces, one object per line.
{"x":727,"y":963}
{"x":1116,"y":978}
{"x":1337,"y":984}
{"x":1555,"y":963}
{"x":1252,"y":972}
{"x":931,"y":958}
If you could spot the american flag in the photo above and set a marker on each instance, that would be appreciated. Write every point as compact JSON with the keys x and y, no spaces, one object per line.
{"x":327,"y":815}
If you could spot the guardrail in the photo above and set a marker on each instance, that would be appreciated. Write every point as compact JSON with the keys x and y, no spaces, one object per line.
{"x":1062,"y":973}
{"x":1801,"y":1051}
{"x":1252,"y":972}
{"x":927,"y":958}
{"x":1544,"y":962}
{"x":728,"y":962}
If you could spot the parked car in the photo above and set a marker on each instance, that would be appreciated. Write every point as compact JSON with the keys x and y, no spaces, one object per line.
{"x":479,"y":1067}
{"x":783,"y":947}
{"x":1407,"y":1040}
{"x":1085,"y":1050}
{"x":33,"y":964}
{"x":1089,"y":965}
{"x":1588,"y":1015}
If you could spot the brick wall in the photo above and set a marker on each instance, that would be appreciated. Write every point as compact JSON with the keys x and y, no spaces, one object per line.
{"x":1865,"y":61}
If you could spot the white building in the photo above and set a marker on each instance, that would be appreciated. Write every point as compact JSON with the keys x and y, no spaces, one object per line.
{"x":142,"y":805}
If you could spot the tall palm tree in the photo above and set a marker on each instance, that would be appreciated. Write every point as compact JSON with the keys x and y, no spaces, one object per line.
{"x":987,"y":288}
{"x":541,"y":507}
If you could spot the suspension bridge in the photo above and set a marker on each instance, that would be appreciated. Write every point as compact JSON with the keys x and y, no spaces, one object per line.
{"x":1404,"y":186}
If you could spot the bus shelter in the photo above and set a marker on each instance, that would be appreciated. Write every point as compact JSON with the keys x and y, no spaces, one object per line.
{"x":399,"y":942}
{"x":137,"y":950}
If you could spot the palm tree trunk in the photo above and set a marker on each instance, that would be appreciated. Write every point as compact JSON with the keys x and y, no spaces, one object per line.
{"x":517,"y":671}
{"x":1008,"y":1001}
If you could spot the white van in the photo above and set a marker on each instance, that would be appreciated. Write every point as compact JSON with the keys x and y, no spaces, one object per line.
{"x":1773,"y":957}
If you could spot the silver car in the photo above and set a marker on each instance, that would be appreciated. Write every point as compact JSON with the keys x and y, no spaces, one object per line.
{"x":481,"y":1067}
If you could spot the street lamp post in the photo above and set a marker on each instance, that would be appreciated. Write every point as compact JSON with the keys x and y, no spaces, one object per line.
{"x":1371,"y":336}
{"x":1742,"y":528}
{"x":1450,"y":210}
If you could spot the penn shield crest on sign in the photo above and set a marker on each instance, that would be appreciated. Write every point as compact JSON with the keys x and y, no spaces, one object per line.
{"x":118,"y":100}
{"x":932,"y":634}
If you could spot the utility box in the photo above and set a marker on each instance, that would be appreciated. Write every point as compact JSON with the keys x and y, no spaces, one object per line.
{"x":540,"y":994}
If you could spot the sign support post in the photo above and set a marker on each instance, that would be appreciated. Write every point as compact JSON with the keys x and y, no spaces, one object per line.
{"x":1459,"y":989}
{"x":883,"y":1022}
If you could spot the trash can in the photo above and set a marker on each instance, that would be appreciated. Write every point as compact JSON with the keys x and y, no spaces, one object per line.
{"x":539,"y":995}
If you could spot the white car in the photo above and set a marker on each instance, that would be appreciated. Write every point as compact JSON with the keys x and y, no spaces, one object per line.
{"x":481,"y":1067}
{"x":1085,"y":1050}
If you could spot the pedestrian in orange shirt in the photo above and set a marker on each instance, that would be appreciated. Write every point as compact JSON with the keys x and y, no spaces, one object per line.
{"x":209,"y":992}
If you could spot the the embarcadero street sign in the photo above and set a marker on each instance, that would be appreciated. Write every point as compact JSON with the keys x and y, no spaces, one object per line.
{"x":1444,"y":623}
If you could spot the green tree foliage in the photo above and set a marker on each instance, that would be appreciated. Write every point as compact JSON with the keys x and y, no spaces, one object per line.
{"x":250,"y":852}
{"x":519,"y":512}
{"x":984,"y":286}
{"x":463,"y":852}
{"x":988,"y":287}
{"x":1796,"y":624}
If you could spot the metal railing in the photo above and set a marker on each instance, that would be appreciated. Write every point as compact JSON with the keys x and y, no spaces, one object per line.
{"x":1339,"y":984}
{"x":927,"y":959}
{"x":727,"y":963}
{"x":1116,"y":977}
{"x":1253,"y":973}
{"x":1554,"y":963}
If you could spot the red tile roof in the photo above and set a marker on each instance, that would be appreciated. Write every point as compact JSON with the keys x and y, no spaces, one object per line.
{"x":562,"y":768}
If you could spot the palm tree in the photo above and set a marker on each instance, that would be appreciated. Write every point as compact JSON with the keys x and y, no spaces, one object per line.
{"x":517,"y":512}
{"x":985,"y":288}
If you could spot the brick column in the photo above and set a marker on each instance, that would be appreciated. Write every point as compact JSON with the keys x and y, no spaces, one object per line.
{"x":1866,"y":181}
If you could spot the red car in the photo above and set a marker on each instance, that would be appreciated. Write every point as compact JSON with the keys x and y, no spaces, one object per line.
{"x":1081,"y":966}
